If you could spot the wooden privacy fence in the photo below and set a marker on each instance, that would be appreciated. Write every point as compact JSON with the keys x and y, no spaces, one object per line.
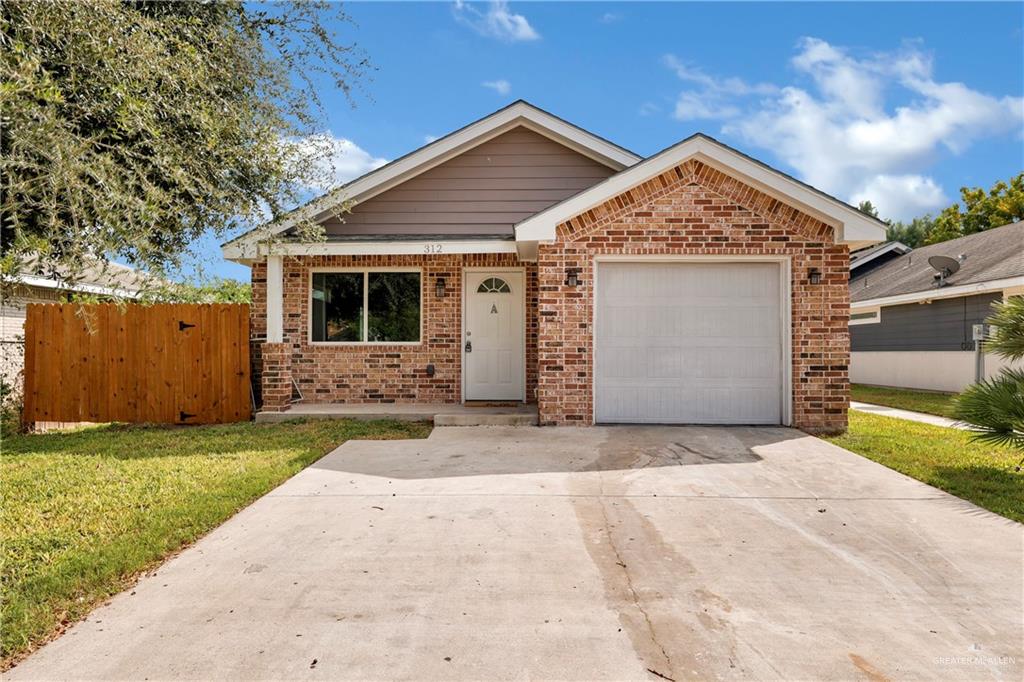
{"x":166,"y":363}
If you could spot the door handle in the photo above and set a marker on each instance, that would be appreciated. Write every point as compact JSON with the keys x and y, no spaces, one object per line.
{"x":469,"y":346}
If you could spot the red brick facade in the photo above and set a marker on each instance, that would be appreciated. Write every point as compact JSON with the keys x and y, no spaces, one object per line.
{"x":689,"y":210}
{"x":384,"y":373}
{"x":695,"y":210}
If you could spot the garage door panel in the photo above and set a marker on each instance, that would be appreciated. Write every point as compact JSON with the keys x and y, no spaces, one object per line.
{"x":688,"y":343}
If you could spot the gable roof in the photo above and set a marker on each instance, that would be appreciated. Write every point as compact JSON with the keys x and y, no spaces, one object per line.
{"x":862,"y":256}
{"x":852,"y":225}
{"x":518,"y":114}
{"x":990,"y":258}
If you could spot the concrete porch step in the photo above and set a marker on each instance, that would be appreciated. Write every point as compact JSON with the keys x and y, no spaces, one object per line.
{"x":441,"y":414}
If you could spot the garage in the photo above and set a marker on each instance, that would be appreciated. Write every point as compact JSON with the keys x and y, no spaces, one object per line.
{"x":690,"y":342}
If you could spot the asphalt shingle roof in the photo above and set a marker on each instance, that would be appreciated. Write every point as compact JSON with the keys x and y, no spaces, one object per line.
{"x":993,"y":254}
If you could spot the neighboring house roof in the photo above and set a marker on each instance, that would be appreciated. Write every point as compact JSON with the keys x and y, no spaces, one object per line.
{"x":853,"y":226}
{"x":861,"y":257}
{"x":519,"y":113}
{"x":104,"y":278}
{"x":990,"y":260}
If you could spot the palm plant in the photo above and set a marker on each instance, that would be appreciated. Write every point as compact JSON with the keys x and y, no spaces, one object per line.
{"x":994,"y":408}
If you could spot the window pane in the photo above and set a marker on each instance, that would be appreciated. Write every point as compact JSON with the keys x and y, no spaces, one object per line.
{"x":394,"y":303}
{"x":337,"y":306}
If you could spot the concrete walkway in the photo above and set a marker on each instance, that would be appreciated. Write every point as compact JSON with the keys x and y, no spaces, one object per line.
{"x":502,"y":553}
{"x":922,"y":417}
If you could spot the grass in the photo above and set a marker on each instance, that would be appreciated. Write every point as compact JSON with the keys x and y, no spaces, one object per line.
{"x":942,"y":457}
{"x":85,"y":512}
{"x":929,"y":402}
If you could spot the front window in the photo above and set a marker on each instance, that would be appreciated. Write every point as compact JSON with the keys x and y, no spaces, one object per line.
{"x":366,"y":307}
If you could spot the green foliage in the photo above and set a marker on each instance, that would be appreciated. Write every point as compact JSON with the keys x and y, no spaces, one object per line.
{"x":217,"y":290}
{"x":995,"y":409}
{"x":1007,"y":335}
{"x":85,"y":512}
{"x":1002,"y":204}
{"x":131,"y":127}
{"x":942,"y":457}
{"x":913,"y":234}
{"x":868,"y":207}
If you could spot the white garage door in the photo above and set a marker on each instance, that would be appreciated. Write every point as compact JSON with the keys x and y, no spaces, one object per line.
{"x":688,"y":343}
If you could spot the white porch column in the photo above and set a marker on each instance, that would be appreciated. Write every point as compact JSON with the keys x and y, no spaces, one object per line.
{"x":275,"y":300}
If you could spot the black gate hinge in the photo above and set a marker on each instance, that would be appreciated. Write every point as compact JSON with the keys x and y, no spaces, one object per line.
{"x":183,"y":415}
{"x":182,"y":325}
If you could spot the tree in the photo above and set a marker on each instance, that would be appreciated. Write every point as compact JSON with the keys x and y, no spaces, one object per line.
{"x":994,"y":408}
{"x":216,"y":290}
{"x":982,"y":210}
{"x":130,"y":127}
{"x":868,"y":207}
{"x":913,"y":234}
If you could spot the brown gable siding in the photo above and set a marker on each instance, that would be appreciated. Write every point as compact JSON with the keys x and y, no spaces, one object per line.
{"x":485,"y":190}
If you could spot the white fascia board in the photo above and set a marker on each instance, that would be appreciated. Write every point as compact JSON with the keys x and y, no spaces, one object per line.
{"x":79,"y":287}
{"x":436,"y":153}
{"x":892,"y":246}
{"x":852,"y":226}
{"x":390,"y":248}
{"x":943,"y":292}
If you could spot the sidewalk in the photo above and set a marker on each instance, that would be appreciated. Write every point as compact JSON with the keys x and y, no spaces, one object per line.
{"x":932,"y":419}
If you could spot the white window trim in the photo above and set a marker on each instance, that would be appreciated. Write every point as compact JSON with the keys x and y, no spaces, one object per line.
{"x":366,"y":305}
{"x":877,"y":312}
{"x":785,"y":311}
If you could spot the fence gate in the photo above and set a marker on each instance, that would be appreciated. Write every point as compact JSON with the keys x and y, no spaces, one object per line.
{"x":170,"y":363}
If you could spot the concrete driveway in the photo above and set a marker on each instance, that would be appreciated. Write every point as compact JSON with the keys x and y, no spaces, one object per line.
{"x":604,"y":553}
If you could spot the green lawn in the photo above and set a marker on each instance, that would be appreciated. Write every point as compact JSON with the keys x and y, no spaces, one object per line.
{"x":943,"y":457}
{"x":940,"y":404}
{"x":85,"y":512}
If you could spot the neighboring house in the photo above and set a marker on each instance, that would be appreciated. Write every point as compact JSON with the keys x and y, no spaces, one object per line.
{"x":909,"y":331}
{"x":863,"y":261}
{"x":105,"y":280}
{"x":522,"y":258}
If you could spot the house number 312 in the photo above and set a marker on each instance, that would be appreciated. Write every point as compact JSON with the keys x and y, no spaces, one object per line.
{"x":432,"y":248}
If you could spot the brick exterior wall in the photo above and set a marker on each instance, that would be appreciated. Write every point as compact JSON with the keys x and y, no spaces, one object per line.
{"x":695,"y":210}
{"x":276,"y":376}
{"x":382,"y":373}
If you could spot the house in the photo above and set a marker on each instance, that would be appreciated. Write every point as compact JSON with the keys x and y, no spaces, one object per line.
{"x":863,"y":261}
{"x":911,"y":324}
{"x":522,"y":258}
{"x":105,"y":279}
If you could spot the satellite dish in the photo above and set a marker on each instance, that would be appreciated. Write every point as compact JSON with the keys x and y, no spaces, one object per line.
{"x":945,"y":266}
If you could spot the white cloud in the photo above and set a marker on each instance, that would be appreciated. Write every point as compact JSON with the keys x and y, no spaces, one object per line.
{"x":497,"y":22}
{"x":502,"y":87}
{"x":837,"y":130}
{"x":648,"y":109}
{"x":338,"y":161}
{"x":609,"y":18}
{"x":429,"y":138}
{"x":902,"y":196}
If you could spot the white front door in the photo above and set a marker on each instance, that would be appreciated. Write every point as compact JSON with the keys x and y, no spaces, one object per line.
{"x":493,"y":338}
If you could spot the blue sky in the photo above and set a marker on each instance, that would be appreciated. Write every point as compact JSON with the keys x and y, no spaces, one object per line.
{"x":899,"y":103}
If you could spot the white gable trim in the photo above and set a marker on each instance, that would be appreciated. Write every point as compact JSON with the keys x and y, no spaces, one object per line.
{"x":412,"y":247}
{"x":891,"y":246}
{"x":852,"y":226}
{"x":400,"y":170}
